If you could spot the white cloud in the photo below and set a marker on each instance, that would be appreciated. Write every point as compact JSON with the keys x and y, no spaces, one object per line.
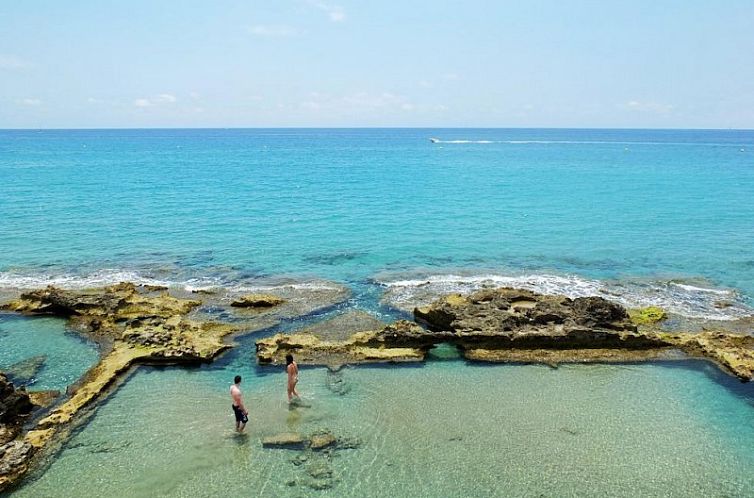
{"x":13,"y":62}
{"x":163,"y":98}
{"x":31,"y":102}
{"x":363,"y":102}
{"x":273,"y":30}
{"x":648,"y":106}
{"x":450,"y":76}
{"x":334,"y":12}
{"x":92,"y":100}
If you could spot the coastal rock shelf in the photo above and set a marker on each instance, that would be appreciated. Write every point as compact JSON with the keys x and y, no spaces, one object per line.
{"x":514,"y":325}
{"x":134,"y":325}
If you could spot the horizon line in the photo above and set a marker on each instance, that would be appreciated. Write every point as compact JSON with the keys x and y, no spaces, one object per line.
{"x":133,"y":128}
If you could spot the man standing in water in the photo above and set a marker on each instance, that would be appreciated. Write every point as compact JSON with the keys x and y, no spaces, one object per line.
{"x":242,"y":415}
{"x":292,"y":370}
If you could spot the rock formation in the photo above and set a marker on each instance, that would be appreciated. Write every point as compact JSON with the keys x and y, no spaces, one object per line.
{"x":514,"y":325}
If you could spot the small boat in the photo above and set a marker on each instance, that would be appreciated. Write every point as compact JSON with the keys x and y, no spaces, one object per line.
{"x":434,"y":140}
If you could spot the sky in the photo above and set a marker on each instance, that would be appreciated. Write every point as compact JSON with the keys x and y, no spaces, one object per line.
{"x":342,"y":63}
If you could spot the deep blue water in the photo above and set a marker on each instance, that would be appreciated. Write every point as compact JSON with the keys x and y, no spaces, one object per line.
{"x":647,"y":208}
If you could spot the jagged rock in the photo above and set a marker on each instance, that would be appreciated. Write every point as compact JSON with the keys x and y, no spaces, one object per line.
{"x":13,"y":456}
{"x":43,"y":399}
{"x":362,"y":347}
{"x":24,"y":372}
{"x":322,"y":440}
{"x":650,"y":315}
{"x":14,"y":403}
{"x":518,"y":326}
{"x":257,"y":301}
{"x":499,"y":311}
{"x":285,"y":440}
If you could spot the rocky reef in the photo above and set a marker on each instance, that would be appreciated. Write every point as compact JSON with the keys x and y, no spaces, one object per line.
{"x":514,"y":325}
{"x":15,"y":407}
{"x":136,"y":325}
{"x":315,"y":453}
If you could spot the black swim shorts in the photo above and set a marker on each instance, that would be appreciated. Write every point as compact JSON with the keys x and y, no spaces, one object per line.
{"x":240,"y":415}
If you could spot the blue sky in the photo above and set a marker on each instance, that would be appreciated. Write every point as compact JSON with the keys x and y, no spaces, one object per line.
{"x":196,"y":63}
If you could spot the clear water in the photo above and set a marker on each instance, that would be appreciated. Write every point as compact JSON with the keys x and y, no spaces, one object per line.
{"x":362,"y":205}
{"x":641,"y":216}
{"x":67,"y":355}
{"x":445,"y":429}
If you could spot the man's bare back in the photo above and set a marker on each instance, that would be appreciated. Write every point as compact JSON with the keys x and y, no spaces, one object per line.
{"x":239,"y":410}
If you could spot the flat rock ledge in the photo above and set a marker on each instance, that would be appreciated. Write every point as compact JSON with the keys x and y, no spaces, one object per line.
{"x":136,"y":325}
{"x":514,"y":325}
{"x":257,"y":301}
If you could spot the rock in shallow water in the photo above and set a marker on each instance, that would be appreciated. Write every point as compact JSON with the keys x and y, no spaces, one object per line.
{"x":24,"y":372}
{"x":257,"y":301}
{"x":285,"y":440}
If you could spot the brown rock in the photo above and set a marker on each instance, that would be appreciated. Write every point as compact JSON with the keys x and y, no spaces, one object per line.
{"x":257,"y":301}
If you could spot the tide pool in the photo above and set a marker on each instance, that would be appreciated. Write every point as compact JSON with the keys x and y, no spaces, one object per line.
{"x":446,"y":428}
{"x":66,"y":355}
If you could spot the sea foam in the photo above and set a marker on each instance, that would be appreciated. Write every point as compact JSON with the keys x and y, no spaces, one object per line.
{"x":679,"y":298}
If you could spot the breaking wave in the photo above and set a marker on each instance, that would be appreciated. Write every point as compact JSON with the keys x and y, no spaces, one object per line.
{"x":100,"y":278}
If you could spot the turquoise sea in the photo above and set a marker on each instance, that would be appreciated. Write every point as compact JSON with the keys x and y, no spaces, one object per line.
{"x":644,"y":217}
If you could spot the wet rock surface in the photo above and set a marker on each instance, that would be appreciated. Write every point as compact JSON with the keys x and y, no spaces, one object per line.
{"x":257,"y":301}
{"x":15,"y":407}
{"x":137,"y":324}
{"x":14,"y":402}
{"x":515,"y":325}
{"x":361,"y":347}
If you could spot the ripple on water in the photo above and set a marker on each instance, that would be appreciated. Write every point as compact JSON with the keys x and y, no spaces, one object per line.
{"x":444,"y":429}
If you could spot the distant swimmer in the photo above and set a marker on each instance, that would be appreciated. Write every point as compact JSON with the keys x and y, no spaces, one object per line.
{"x":292,"y":370}
{"x":239,"y":410}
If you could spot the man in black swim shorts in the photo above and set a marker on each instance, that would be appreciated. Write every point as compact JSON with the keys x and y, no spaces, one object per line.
{"x":239,"y":410}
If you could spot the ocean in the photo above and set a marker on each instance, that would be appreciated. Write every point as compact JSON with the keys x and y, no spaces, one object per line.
{"x":661,"y":217}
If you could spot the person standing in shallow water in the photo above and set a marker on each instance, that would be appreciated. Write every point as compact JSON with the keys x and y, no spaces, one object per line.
{"x":292,"y":370}
{"x":239,"y":410}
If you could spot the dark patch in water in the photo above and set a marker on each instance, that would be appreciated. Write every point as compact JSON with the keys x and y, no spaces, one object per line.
{"x":334,"y":259}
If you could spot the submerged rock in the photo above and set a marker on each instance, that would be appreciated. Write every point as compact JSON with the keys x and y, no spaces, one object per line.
{"x":322,"y":440}
{"x":25,"y":371}
{"x":285,"y":440}
{"x":343,"y":326}
{"x":257,"y":301}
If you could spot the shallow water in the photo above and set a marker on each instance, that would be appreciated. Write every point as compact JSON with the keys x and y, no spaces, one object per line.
{"x":68,"y":356}
{"x":443,"y":429}
{"x":638,"y":216}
